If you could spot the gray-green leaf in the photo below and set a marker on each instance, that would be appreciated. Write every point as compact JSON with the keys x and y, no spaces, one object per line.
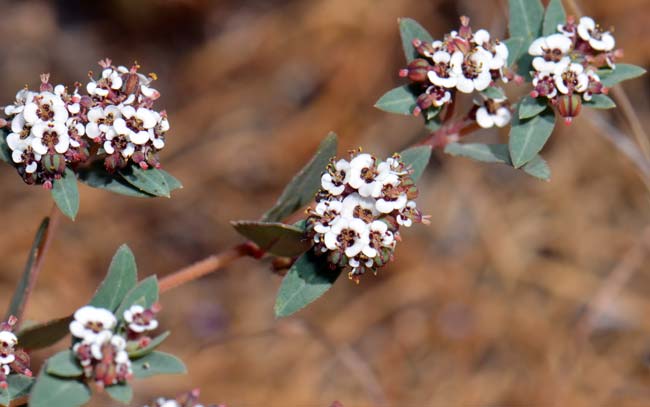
{"x":307,"y":280}
{"x":5,"y":152}
{"x":151,"y":181}
{"x":122,"y":276}
{"x":401,"y":100}
{"x":528,"y":136}
{"x":493,"y":92}
{"x":538,"y":168}
{"x":66,"y":194}
{"x":409,"y":30}
{"x":122,"y":393}
{"x":554,"y":16}
{"x":64,"y":364}
{"x":157,"y":363}
{"x":44,"y":334}
{"x":418,"y":158}
{"x":18,"y":386}
{"x":515,"y":49}
{"x":302,"y":188}
{"x":96,"y":176}
{"x":155,"y":342}
{"x":276,"y":238}
{"x":51,"y":391}
{"x":622,"y":72}
{"x":600,"y":102}
{"x":145,"y":294}
{"x":525,"y":19}
{"x":531,"y":107}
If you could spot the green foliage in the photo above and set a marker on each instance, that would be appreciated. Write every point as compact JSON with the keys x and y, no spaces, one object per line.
{"x":122,"y":276}
{"x":409,"y":30}
{"x":20,"y":294}
{"x":493,"y":92}
{"x":145,"y":294}
{"x":623,"y":72}
{"x":307,"y":280}
{"x":155,"y":342}
{"x":5,"y":152}
{"x":528,"y":136}
{"x":49,"y":391}
{"x":531,"y":107}
{"x":156,"y":363}
{"x":498,"y":153}
{"x":64,"y":364}
{"x":515,"y":49}
{"x":554,"y":16}
{"x":302,"y":188}
{"x":44,"y":334}
{"x":401,"y":100}
{"x":418,"y":158}
{"x":276,"y":238}
{"x":66,"y":194}
{"x":122,"y":393}
{"x":151,"y":181}
{"x":600,"y":102}
{"x":525,"y":23}
{"x":96,"y":176}
{"x":18,"y":387}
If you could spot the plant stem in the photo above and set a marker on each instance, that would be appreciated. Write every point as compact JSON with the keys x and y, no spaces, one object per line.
{"x":208,"y":265}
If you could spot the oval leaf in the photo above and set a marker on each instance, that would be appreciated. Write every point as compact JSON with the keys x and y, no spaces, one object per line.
{"x":307,"y":280}
{"x":531,"y":107}
{"x":64,"y":364}
{"x":487,"y":153}
{"x":538,"y":168}
{"x":51,"y":391}
{"x":409,"y":30}
{"x":276,"y":238}
{"x":145,"y":294}
{"x":157,"y":363}
{"x":525,"y":19}
{"x":18,"y":387}
{"x":122,"y":393}
{"x":494,"y":92}
{"x":401,"y":100}
{"x":418,"y":158}
{"x":66,"y":194}
{"x":155,"y":342}
{"x":151,"y":180}
{"x":96,"y":176}
{"x":302,"y":188}
{"x":5,"y":152}
{"x":554,"y":16}
{"x":528,"y":136}
{"x":515,"y":49}
{"x":44,"y":334}
{"x":600,"y":102}
{"x":122,"y":276}
{"x":623,"y":72}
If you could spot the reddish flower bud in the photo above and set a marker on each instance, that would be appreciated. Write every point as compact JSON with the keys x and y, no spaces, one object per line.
{"x":569,"y":106}
{"x":418,"y":70}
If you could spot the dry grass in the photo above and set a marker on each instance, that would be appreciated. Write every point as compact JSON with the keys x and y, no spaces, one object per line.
{"x":484,"y":307}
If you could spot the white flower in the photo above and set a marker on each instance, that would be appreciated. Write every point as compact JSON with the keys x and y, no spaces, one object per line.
{"x":136,"y":125}
{"x":157,"y":136}
{"x":329,"y":212}
{"x":127,"y":149}
{"x":50,"y":134}
{"x":90,"y":321}
{"x":473,"y":71}
{"x":23,"y":96}
{"x":7,"y":358}
{"x":388,"y":205}
{"x":348,"y":234}
{"x":354,"y":204}
{"x":100,"y":121}
{"x":113,"y":78}
{"x":442,"y":75}
{"x":45,"y":106}
{"x":481,"y":37}
{"x":138,"y":322}
{"x":367,"y":179}
{"x":549,"y":52}
{"x":493,"y":114}
{"x":7,"y":339}
{"x":386,"y":238}
{"x":499,"y":57}
{"x":597,"y":39}
{"x":335,"y":183}
{"x":403,"y":218}
{"x":570,"y":77}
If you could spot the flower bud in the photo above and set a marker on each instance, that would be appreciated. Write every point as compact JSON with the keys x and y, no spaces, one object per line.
{"x":569,"y":106}
{"x":418,"y":69}
{"x":53,"y":163}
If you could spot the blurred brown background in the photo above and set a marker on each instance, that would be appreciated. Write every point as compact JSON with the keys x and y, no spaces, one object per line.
{"x":484,"y":307}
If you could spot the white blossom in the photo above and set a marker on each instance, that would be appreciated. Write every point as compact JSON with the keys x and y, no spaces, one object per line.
{"x":550,"y":51}
{"x":348,"y":234}
{"x":50,"y":134}
{"x":335,"y":183}
{"x":89,"y":322}
{"x":44,"y":107}
{"x":598,"y":39}
{"x":136,"y":124}
{"x":492,"y":113}
{"x":137,"y":322}
{"x":570,"y":77}
{"x":472,"y":71}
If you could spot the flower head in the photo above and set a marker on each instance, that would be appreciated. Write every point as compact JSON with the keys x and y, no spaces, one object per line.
{"x":12,"y":358}
{"x":139,"y":319}
{"x":89,"y":322}
{"x":493,"y":112}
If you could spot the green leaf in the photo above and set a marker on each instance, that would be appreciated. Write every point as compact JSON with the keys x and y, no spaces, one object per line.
{"x":302,"y":188}
{"x":493,"y":92}
{"x":515,"y":49}
{"x":151,"y":180}
{"x":145,"y":294}
{"x":18,"y":387}
{"x":531,"y":107}
{"x":155,"y":342}
{"x":308,"y":279}
{"x":122,"y":276}
{"x":172,"y":182}
{"x":525,"y":20}
{"x":122,"y":393}
{"x":5,"y":152}
{"x":401,"y":100}
{"x":276,"y":238}
{"x":528,"y":136}
{"x":49,"y":391}
{"x":623,"y":72}
{"x":45,"y":334}
{"x":64,"y":364}
{"x":96,"y":176}
{"x":600,"y":102}
{"x":17,"y":304}
{"x":157,"y":363}
{"x":418,"y":158}
{"x":554,"y":16}
{"x":538,"y":168}
{"x":66,"y":194}
{"x":409,"y":30}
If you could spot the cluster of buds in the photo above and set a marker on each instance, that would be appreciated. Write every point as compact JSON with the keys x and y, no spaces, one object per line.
{"x":103,"y":343}
{"x":12,"y":358}
{"x":190,"y":399}
{"x":463,"y":61}
{"x":359,"y":210}
{"x":565,"y":63}
{"x":58,"y":127}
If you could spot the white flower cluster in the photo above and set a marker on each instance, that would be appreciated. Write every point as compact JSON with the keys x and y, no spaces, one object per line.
{"x":101,"y":348}
{"x":493,"y":112}
{"x":12,"y":358}
{"x":8,"y":341}
{"x":565,"y":64}
{"x":463,"y":61}
{"x":122,"y":119}
{"x":359,"y":210}
{"x":46,"y":131}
